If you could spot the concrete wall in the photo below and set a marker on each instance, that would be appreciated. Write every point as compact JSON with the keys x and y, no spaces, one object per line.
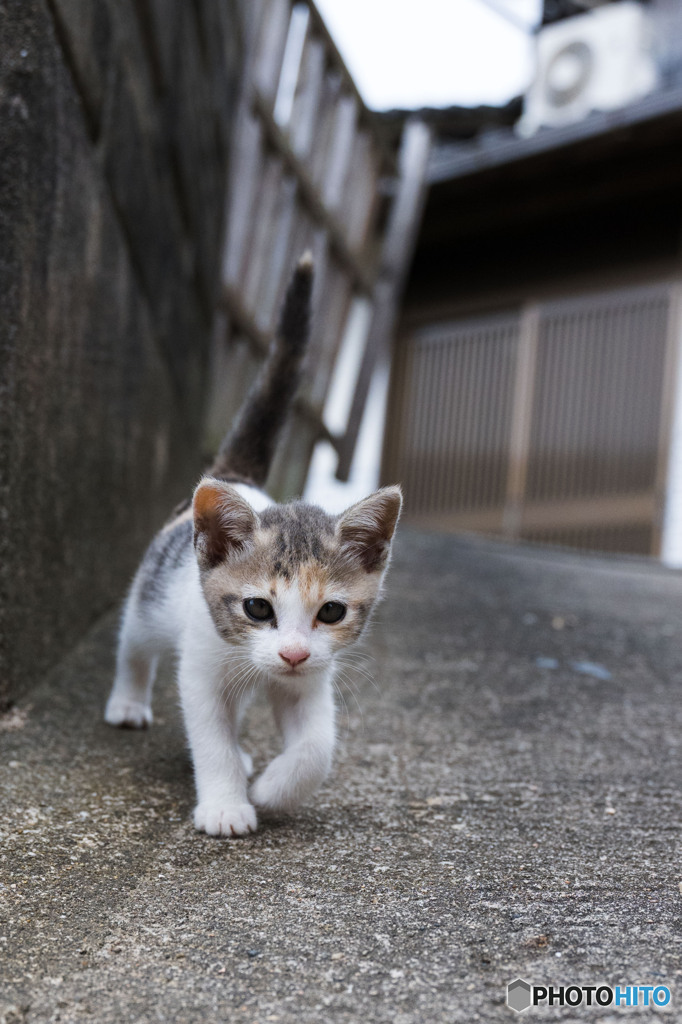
{"x":114,"y":122}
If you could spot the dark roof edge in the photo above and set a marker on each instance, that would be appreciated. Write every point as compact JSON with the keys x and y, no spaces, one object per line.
{"x":454,"y":121}
{"x":496,"y":148}
{"x":456,"y":118}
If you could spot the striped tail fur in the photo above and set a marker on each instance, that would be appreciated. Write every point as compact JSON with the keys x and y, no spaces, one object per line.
{"x":247,"y":450}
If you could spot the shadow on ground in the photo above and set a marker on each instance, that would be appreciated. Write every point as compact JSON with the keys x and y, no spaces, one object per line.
{"x":491,"y":815}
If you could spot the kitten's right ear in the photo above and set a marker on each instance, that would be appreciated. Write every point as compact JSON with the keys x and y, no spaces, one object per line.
{"x":366,"y":528}
{"x":223,"y":522}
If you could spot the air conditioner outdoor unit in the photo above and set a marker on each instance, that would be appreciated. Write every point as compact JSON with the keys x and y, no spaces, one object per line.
{"x":596,"y":61}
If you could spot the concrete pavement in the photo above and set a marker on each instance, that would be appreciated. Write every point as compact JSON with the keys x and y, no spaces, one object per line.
{"x":506,"y":803}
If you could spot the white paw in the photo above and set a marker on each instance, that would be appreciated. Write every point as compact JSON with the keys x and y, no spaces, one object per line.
{"x":247,"y":761}
{"x":270,"y":792}
{"x":129,"y":714}
{"x":219,"y":819}
{"x":287,"y":782}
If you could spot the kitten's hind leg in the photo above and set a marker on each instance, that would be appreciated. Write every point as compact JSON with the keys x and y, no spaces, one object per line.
{"x":129,"y":704}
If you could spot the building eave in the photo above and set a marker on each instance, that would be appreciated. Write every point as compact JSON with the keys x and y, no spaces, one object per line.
{"x":495,"y":149}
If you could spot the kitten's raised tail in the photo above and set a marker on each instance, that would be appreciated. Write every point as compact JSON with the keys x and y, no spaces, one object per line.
{"x":248,"y":448}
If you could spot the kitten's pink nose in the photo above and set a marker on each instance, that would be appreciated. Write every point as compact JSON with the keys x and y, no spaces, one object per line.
{"x":294,"y":655}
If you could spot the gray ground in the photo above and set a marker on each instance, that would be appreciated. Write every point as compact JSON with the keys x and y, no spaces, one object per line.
{"x":488,"y":817}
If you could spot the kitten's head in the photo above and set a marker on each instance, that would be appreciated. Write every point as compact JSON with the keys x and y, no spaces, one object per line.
{"x":292,"y":584}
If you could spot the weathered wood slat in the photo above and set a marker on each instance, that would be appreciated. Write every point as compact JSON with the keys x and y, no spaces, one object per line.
{"x":670,"y":374}
{"x":274,"y":260}
{"x":335,"y":315}
{"x":244,"y":183}
{"x":262,"y":229}
{"x":332,"y":84}
{"x":291,"y":65}
{"x":362,"y":196}
{"x":274,"y":29}
{"x":341,"y":150}
{"x":522,"y":410}
{"x":304,"y":114}
{"x":395,"y":259}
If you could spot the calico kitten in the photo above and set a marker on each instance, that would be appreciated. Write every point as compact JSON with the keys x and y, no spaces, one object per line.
{"x":247,"y":593}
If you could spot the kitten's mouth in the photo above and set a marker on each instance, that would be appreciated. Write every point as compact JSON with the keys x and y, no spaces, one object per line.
{"x":294,"y":672}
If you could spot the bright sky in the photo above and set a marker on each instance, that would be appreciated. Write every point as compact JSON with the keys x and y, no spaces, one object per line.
{"x":413,"y":53}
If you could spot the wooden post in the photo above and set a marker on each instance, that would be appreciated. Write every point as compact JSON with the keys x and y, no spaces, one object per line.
{"x":667,"y":542}
{"x":522,"y":411}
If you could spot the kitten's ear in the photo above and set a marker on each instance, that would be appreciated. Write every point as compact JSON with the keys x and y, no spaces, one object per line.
{"x":223,"y":522}
{"x":366,"y":528}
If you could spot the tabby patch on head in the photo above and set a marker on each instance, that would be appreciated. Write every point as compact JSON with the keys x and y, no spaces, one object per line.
{"x":292,"y":583}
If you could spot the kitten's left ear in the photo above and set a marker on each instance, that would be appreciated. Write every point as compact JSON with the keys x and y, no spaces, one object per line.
{"x":366,"y":528}
{"x":223,"y":522}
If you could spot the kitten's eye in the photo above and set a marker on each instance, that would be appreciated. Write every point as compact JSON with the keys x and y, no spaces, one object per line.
{"x":258,"y":609}
{"x":332,"y":611}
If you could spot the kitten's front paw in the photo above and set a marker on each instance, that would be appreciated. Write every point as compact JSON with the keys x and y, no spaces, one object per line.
{"x":271,"y":793}
{"x":128,"y":714}
{"x":286,"y":783}
{"x":217,"y":819}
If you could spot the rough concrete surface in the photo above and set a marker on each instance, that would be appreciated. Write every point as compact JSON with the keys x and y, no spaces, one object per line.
{"x":114,"y":125}
{"x":488,"y":818}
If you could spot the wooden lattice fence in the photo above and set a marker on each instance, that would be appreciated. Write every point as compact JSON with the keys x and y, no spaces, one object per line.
{"x":311,"y":170}
{"x":549,"y":424}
